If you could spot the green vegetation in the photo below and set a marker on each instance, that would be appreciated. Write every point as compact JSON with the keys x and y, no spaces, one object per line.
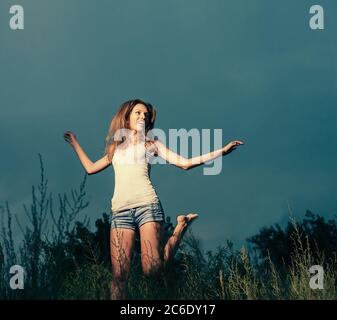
{"x":64,"y":259}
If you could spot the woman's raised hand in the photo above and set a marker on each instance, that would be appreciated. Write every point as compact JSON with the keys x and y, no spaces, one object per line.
{"x":70,"y":137}
{"x":228,"y":148}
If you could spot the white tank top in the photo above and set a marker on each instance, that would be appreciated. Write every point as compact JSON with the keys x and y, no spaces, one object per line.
{"x":132,"y":168}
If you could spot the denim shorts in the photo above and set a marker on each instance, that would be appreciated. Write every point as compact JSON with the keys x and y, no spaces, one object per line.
{"x":135,"y":217}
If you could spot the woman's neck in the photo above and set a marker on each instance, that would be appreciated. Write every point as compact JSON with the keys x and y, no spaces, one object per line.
{"x":136,"y":137}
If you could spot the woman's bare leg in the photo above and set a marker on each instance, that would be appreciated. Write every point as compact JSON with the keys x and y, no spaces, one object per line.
{"x":151,"y":247}
{"x":173,"y":242}
{"x":121,"y":246}
{"x":151,"y":243}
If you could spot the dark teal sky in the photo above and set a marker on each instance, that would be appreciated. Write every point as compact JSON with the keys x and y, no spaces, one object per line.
{"x":253,"y":68}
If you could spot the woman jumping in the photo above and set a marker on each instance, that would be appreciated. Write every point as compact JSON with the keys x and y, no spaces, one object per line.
{"x":135,"y":204}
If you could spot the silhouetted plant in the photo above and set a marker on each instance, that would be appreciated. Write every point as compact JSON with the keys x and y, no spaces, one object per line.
{"x":66,"y":260}
{"x":278,"y":245}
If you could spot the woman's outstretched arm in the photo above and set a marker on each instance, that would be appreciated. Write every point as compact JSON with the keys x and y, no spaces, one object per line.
{"x":190,"y":163}
{"x":89,"y":166}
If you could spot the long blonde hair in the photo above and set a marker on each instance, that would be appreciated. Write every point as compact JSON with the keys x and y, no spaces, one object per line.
{"x":121,"y":121}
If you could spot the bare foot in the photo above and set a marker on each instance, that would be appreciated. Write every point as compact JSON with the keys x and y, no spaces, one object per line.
{"x":186,"y":220}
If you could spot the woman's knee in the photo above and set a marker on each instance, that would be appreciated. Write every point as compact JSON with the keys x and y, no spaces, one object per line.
{"x":120,"y":276}
{"x":120,"y":273}
{"x":120,"y":268}
{"x":150,"y":269}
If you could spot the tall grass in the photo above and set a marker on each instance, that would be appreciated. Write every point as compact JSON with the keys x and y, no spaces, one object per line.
{"x":63,"y":259}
